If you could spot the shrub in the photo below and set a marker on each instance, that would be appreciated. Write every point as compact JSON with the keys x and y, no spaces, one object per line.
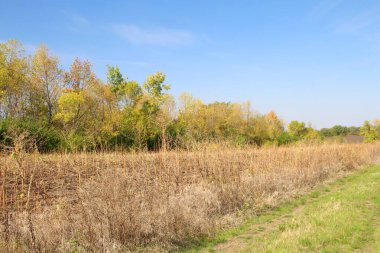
{"x":46,"y":138}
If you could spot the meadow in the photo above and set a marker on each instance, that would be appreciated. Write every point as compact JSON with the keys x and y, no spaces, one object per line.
{"x":117,"y":165}
{"x":161,"y":201}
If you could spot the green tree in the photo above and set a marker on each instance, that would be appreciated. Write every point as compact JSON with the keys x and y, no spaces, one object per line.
{"x":313,"y":135}
{"x":128,"y":92}
{"x":369,"y":132}
{"x":155,"y":96}
{"x":297,"y":129}
{"x":115,"y":79}
{"x":146,"y":113}
{"x":285,"y":138}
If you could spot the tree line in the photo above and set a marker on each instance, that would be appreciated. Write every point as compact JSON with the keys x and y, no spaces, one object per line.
{"x":73,"y":109}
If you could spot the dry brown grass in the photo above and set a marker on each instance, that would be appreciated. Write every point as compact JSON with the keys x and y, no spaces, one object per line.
{"x":116,"y":202}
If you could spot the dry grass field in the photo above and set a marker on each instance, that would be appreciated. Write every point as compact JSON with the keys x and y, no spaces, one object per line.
{"x":118,"y":202}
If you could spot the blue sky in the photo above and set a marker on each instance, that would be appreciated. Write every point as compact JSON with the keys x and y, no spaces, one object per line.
{"x":315,"y":61}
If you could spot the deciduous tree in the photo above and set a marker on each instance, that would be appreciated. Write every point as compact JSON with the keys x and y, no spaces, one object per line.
{"x":14,"y":85}
{"x":369,"y":132}
{"x":46,"y":80}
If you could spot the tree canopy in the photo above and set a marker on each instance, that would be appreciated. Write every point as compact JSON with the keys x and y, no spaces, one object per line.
{"x":74,"y":109}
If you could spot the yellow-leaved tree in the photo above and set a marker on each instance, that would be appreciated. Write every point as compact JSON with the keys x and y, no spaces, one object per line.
{"x":46,"y":80}
{"x":87,"y":108}
{"x":14,"y":85}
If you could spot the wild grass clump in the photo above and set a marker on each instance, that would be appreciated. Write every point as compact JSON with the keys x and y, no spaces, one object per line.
{"x":117,"y":202}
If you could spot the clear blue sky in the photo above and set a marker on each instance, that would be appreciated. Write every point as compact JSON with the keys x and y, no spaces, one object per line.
{"x":315,"y":61}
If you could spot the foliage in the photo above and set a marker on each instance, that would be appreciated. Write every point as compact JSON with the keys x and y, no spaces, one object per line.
{"x":339,"y":131}
{"x":297,"y":129}
{"x":312,"y":135}
{"x":88,"y":113}
{"x":285,"y":138}
{"x":44,"y":137}
{"x":370,"y":132}
{"x":45,"y":80}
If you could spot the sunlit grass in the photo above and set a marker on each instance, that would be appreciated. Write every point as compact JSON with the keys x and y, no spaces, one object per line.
{"x":341,"y":221}
{"x":166,"y":201}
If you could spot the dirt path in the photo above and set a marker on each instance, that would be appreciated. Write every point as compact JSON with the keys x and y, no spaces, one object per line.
{"x":342,"y":217}
{"x":240,"y":242}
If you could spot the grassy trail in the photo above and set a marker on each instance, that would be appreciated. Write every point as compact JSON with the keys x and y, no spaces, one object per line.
{"x":341,"y":217}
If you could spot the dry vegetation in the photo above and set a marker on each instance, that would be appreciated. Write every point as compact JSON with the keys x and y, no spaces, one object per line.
{"x":112,"y":202}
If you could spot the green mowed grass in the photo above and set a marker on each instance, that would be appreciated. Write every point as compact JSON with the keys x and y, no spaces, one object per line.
{"x":345,"y":220}
{"x":341,"y":217}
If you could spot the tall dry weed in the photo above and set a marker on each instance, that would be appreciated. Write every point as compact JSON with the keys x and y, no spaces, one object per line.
{"x":117,"y":202}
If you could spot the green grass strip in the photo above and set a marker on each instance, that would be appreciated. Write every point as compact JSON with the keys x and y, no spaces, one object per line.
{"x":341,"y":217}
